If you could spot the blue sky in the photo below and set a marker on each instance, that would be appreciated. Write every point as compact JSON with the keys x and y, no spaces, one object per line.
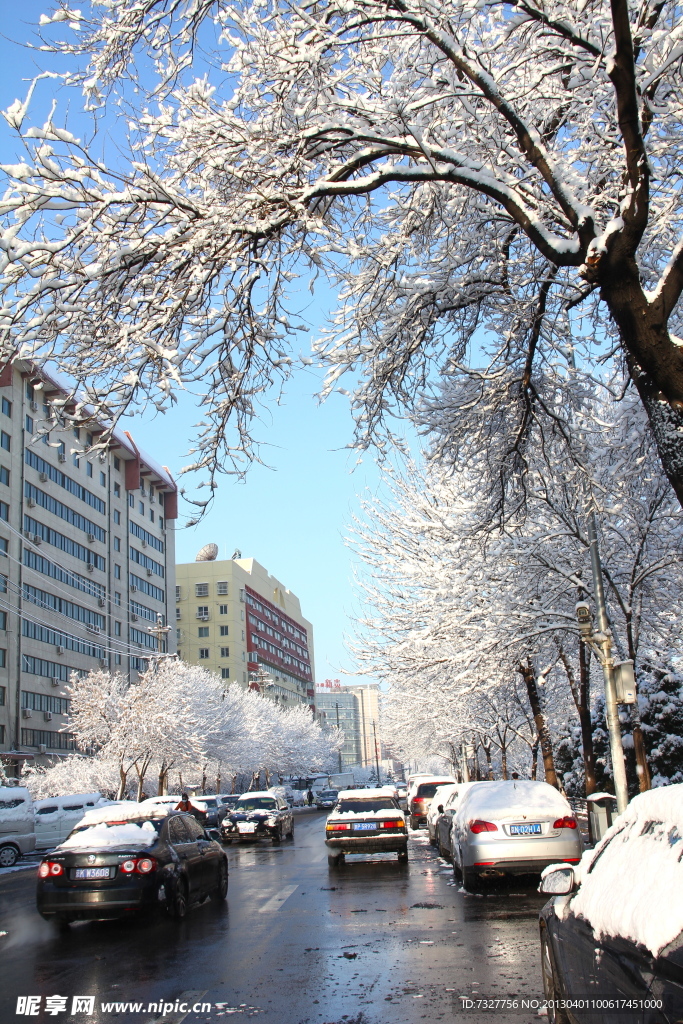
{"x":291,"y":518}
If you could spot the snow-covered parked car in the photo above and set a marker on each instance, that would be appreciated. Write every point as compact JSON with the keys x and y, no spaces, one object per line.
{"x":613,"y":928}
{"x":17,"y":828}
{"x":438,"y":801}
{"x":365,"y":821}
{"x":56,"y":816}
{"x":420,"y":796}
{"x":514,"y":827}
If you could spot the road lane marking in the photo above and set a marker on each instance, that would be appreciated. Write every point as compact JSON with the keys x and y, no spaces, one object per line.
{"x":276,"y":901}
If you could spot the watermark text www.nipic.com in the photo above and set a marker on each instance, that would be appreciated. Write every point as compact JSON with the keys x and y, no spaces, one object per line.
{"x":30,"y":1006}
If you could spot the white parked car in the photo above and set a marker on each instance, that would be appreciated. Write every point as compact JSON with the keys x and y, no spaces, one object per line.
{"x":56,"y":816}
{"x":17,"y":829}
{"x":438,"y":800}
{"x":513,"y":827}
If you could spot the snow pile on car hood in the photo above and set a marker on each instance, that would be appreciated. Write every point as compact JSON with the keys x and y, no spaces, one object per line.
{"x":103,"y":835}
{"x":513,"y":799}
{"x":636,"y":890}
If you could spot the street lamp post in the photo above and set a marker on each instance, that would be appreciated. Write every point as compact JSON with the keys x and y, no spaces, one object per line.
{"x":336,"y":704}
{"x":374,"y":732}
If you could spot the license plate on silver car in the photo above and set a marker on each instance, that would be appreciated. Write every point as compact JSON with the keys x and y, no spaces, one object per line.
{"x":365,"y":825}
{"x":532,"y":829}
{"x":91,"y":873}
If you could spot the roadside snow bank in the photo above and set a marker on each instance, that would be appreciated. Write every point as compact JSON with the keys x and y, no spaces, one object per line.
{"x":632,"y":882}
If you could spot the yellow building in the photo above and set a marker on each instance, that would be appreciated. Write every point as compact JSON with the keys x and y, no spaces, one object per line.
{"x":237,"y":620}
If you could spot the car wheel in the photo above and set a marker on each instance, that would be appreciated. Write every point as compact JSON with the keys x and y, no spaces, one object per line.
{"x":413,"y":821}
{"x":432,"y":839}
{"x":177,"y":906}
{"x":403,"y":856}
{"x":9,"y":855}
{"x":221,"y":890}
{"x":335,"y":860}
{"x":276,"y":837}
{"x":291,"y":832}
{"x":63,"y":922}
{"x":470,"y":879}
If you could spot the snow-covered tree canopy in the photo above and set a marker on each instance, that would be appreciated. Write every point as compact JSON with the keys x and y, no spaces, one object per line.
{"x":452,"y":165}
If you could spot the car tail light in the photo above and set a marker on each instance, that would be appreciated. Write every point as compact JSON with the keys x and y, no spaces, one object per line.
{"x":50,"y":867}
{"x":391,"y":824}
{"x":482,"y":826}
{"x":141,"y":866}
{"x":567,"y":822}
{"x":337,"y":828}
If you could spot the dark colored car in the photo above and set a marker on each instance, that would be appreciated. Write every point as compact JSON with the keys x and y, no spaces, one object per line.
{"x":365,"y":821}
{"x":114,"y":867}
{"x":258,"y":816}
{"x":214,"y":810}
{"x":225,"y":803}
{"x":326,"y":799}
{"x":612,"y":935}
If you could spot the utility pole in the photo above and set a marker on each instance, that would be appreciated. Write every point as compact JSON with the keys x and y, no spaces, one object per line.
{"x":601,"y":644}
{"x":465,"y":763}
{"x":336,"y":704}
{"x":159,"y":631}
{"x":374,"y":732}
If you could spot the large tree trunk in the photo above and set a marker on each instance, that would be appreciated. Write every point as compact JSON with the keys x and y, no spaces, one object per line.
{"x":584,"y":711}
{"x":123,"y":779}
{"x":529,"y":677}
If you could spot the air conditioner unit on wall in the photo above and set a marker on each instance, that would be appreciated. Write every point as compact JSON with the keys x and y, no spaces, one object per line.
{"x":55,"y":681}
{"x":133,"y":589}
{"x":62,"y":457}
{"x":34,"y":407}
{"x":133,"y":617}
{"x":43,"y":477}
{"x":59,"y":649}
{"x":143,"y":544}
{"x":149,"y":572}
{"x":26,"y":713}
{"x":37,"y":539}
{"x":101,"y":602}
{"x":103,"y":662}
{"x":91,"y":538}
{"x":31,"y":503}
{"x":42,"y":749}
{"x":91,"y":567}
{"x":47,"y":715}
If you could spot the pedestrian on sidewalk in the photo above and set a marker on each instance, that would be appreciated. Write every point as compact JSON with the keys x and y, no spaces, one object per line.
{"x":309,"y":797}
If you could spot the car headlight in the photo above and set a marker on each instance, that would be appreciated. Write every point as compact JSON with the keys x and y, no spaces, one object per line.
{"x":271,"y":821}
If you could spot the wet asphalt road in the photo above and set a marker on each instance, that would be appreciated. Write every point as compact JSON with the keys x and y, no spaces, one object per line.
{"x":374,"y":942}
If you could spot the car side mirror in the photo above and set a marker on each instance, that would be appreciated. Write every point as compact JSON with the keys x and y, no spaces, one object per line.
{"x":214,"y":834}
{"x":560,"y":882}
{"x":440,"y":808}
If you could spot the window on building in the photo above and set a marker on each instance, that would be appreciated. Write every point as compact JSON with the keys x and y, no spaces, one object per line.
{"x":177,"y":634}
{"x":6,"y":407}
{"x":223,"y":609}
{"x":3,"y":657}
{"x":2,"y":696}
{"x":117,"y":659}
{"x":3,"y":547}
{"x":76,"y":460}
{"x":5,"y":441}
{"x":4,"y":511}
{"x":201,"y":590}
{"x":28,"y":424}
{"x":203,"y":632}
{"x":3,"y":620}
{"x":117,"y":572}
{"x":117,"y":490}
{"x":161,"y":522}
{"x":88,"y":468}
{"x":45,"y":438}
{"x":4,"y":476}
{"x":151,"y":515}
{"x":103,"y":479}
{"x":177,"y":614}
{"x":225,"y":652}
{"x":244,"y":657}
{"x":224,"y":630}
{"x":117,"y":516}
{"x":243,"y":634}
{"x":222,"y":589}
{"x":178,"y":596}
{"x":141,"y":508}
{"x":117,"y":598}
{"x":131,"y":500}
{"x":117,"y":544}
{"x":77,"y":433}
{"x":203,"y":653}
{"x":117,"y":462}
{"x":117,"y":629}
{"x":88,"y":440}
{"x":203,"y":611}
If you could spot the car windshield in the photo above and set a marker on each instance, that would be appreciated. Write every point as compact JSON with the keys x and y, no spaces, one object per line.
{"x":328,"y":793}
{"x":366,"y":806}
{"x":229,"y":799}
{"x":257,"y":803}
{"x":207,"y":801}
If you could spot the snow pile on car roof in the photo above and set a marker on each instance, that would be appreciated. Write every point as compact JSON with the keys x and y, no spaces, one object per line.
{"x":513,"y":798}
{"x":365,"y":794}
{"x":97,"y":836}
{"x":123,"y":811}
{"x":15,"y":803}
{"x":636,"y":889}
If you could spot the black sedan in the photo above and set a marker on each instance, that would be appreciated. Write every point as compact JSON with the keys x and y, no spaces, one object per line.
{"x":115,"y":866}
{"x":612,"y":935}
{"x":258,"y":816}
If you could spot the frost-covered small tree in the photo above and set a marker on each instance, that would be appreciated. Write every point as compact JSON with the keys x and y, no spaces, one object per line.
{"x":455,"y":167}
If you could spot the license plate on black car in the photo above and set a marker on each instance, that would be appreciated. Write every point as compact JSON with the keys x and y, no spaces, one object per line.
{"x":532,"y":829}
{"x":91,"y":873}
{"x":365,"y":825}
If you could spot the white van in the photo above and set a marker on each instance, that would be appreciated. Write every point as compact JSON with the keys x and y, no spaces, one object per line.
{"x":56,"y":817}
{"x":17,"y":832}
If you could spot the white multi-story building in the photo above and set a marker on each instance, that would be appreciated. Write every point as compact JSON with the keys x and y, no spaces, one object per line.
{"x":87,"y":557}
